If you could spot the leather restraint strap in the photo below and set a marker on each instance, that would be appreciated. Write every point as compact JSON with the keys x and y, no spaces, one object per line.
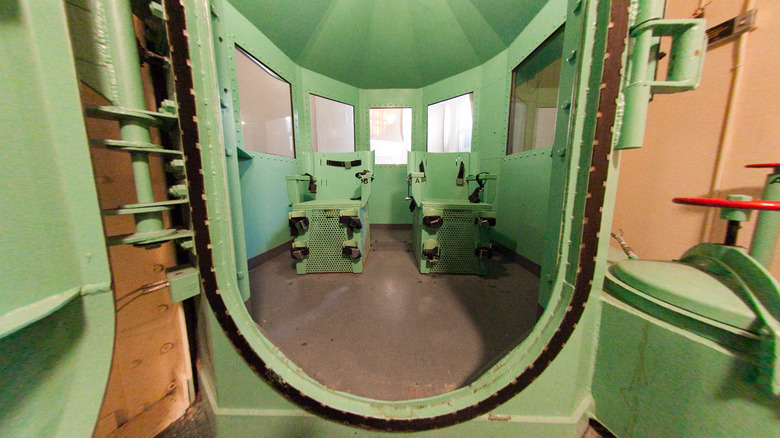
{"x":312,"y":186}
{"x":345,"y":164}
{"x":461,"y":172}
{"x":474,"y":196}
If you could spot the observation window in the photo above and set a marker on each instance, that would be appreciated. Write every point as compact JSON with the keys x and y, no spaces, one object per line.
{"x":391,"y":134}
{"x":533,"y":105}
{"x":450,"y":124}
{"x":265,"y":101}
{"x":332,"y":125}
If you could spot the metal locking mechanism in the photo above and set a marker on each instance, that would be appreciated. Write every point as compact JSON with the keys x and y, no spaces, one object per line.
{"x":686,"y":60}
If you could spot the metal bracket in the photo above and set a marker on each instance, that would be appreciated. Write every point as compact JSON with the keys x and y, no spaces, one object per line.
{"x":686,"y":62}
{"x":728,"y":30}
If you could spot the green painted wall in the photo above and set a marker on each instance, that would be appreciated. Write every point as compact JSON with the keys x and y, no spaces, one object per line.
{"x":521,"y":217}
{"x":263,"y":197}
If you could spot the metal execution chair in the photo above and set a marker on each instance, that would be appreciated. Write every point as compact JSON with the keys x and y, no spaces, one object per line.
{"x":453,"y":212}
{"x":329,"y":217}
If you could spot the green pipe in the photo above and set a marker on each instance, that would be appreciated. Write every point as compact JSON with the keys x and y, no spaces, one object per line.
{"x":130,"y":92}
{"x":762,"y":248}
{"x":643,"y":56}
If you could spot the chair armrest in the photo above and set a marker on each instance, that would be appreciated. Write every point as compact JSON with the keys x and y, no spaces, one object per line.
{"x":483,"y":177}
{"x":415,"y":182}
{"x":489,"y":179}
{"x":297,"y":186}
{"x":365,"y":192}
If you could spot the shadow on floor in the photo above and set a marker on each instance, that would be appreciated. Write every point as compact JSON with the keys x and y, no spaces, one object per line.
{"x":392,"y":333}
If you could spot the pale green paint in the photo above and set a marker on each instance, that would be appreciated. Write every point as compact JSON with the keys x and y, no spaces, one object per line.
{"x":56,"y":308}
{"x":438,"y":189}
{"x":754,"y":284}
{"x":389,"y":204}
{"x":53,"y":372}
{"x":655,"y":379}
{"x":681,"y":284}
{"x":762,"y":247}
{"x":230,"y":127}
{"x":398,"y":44}
{"x":568,"y":169}
{"x":333,"y":182}
{"x":489,"y":82}
{"x":264,"y":201}
{"x":556,"y":404}
{"x":563,"y":236}
{"x":521,"y":212}
{"x":337,"y":189}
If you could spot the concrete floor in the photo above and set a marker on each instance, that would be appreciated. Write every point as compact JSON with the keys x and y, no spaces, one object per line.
{"x":392,"y":333}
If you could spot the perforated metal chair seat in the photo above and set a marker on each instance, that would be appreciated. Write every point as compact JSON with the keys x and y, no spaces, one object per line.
{"x":450,"y":233}
{"x":329,"y":217}
{"x":455,"y":204}
{"x":328,"y":204}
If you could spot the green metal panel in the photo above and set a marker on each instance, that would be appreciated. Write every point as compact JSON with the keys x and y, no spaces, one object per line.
{"x":225,"y":70}
{"x":264,"y":201}
{"x":325,"y":238}
{"x":56,"y":309}
{"x":259,"y":201}
{"x":457,"y":239}
{"x":388,"y":205}
{"x":693,"y":387}
{"x":441,"y":172}
{"x":555,"y":405}
{"x":523,"y":191}
{"x":682,"y":285}
{"x":440,"y":190}
{"x":762,"y":247}
{"x":562,"y":236}
{"x":333,"y":178}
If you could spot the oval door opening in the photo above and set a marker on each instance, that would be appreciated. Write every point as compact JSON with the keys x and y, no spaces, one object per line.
{"x":295,"y":326}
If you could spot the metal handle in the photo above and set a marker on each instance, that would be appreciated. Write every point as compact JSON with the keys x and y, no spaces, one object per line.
{"x":686,"y":60}
{"x":756,"y":204}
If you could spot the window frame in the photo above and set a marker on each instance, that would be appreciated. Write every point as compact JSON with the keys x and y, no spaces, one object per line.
{"x":268,"y":70}
{"x":312,"y":127}
{"x":558,"y":33}
{"x":411,"y":130}
{"x":428,"y":121}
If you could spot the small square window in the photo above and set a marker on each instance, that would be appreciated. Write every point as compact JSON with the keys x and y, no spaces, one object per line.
{"x":332,"y":125}
{"x":449,"y":125}
{"x":391,"y":134}
{"x":265,"y":101}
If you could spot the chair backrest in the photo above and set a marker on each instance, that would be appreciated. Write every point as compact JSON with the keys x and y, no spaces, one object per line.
{"x":442,"y":171}
{"x":335,"y":173}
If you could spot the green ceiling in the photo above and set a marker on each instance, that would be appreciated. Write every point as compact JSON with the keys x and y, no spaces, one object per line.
{"x":390,"y":43}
